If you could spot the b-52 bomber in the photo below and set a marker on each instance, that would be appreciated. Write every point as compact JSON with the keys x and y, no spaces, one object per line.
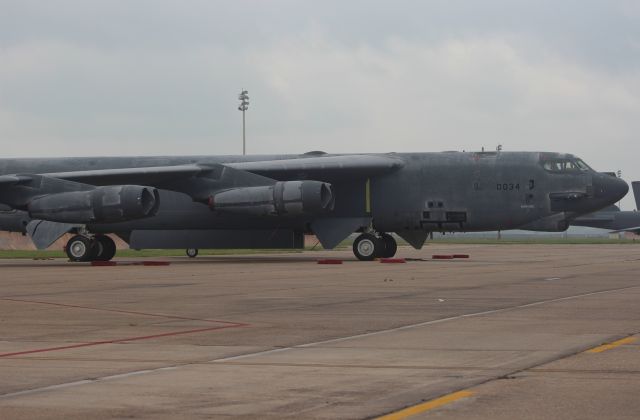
{"x":272,"y":201}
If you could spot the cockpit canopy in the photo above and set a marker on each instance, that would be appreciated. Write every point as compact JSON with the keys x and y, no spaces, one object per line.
{"x":563,"y":164}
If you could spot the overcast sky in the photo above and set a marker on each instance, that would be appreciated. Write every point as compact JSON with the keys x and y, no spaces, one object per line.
{"x":120,"y":77}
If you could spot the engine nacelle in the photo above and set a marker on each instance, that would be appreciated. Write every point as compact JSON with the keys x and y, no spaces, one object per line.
{"x":117,"y":203}
{"x":282,"y":198}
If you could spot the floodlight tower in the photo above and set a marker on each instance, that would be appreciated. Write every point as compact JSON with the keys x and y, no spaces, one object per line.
{"x":619,"y":173}
{"x":244,"y":105}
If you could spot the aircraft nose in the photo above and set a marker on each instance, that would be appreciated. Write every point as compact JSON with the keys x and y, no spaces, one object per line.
{"x":610,"y":188}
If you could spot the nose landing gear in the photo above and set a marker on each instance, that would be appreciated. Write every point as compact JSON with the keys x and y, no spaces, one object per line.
{"x":368,"y":246}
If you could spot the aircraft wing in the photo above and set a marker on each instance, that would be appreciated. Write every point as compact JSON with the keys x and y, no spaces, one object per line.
{"x":153,"y":176}
{"x":199,"y":180}
{"x":598,"y":217}
{"x":631,"y":229}
{"x":322,"y":168}
{"x":8,"y":180}
{"x":17,"y":190}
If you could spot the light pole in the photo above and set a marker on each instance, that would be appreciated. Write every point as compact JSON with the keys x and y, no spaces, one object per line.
{"x":244,"y":105}
{"x":619,"y":173}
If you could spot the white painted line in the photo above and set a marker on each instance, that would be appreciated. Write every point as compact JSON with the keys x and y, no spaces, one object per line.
{"x":85,"y":382}
{"x":418,"y":325}
{"x":46,"y":388}
{"x":302,"y":346}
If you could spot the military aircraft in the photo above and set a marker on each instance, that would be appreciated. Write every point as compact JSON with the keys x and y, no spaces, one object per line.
{"x":272,"y":201}
{"x":612,"y":218}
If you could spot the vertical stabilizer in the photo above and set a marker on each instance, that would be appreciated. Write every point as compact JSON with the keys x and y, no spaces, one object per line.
{"x":636,"y":193}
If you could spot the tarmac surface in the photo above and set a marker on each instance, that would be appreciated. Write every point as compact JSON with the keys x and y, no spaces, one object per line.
{"x":513,"y":332}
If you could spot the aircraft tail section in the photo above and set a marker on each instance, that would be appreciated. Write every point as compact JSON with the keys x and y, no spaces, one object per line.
{"x":636,"y":193}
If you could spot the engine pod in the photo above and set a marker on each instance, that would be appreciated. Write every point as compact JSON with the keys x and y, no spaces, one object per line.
{"x":282,"y":198}
{"x":116,"y":203}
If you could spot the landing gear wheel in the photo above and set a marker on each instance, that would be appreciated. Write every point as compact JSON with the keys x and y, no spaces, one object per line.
{"x":105,"y":248}
{"x":80,"y":248}
{"x":192,"y":252}
{"x":366,"y":247}
{"x":390,"y":246}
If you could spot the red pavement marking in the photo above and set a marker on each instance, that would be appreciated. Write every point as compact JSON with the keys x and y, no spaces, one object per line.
{"x":393,"y":260}
{"x":122,"y":311}
{"x":103,"y":263}
{"x":115,"y":263}
{"x":329,"y":261}
{"x":460,"y":255}
{"x":228,"y":325}
{"x":443,"y":257}
{"x":119,"y":340}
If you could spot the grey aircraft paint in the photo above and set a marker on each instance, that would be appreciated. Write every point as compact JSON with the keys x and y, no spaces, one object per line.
{"x":166,"y":202}
{"x":611,"y":218}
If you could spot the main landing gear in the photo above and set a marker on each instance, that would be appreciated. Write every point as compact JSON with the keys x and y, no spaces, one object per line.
{"x":368,"y":246}
{"x":83,"y":248}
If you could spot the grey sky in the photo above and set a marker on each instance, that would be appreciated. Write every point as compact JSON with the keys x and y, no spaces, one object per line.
{"x":81,"y":77}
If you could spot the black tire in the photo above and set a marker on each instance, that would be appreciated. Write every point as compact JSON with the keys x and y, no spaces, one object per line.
{"x":192,"y":252}
{"x":80,"y":248}
{"x":105,"y":248}
{"x":367,"y":247}
{"x":390,"y":246}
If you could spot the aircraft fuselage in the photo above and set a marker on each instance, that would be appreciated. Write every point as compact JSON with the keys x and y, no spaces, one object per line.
{"x":430,"y":192}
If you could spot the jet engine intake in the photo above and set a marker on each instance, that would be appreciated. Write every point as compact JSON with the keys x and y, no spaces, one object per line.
{"x":282,"y":198}
{"x":118,"y":203}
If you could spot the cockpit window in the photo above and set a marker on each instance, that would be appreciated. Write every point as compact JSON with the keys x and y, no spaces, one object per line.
{"x":565,"y":165}
{"x":552,"y":166}
{"x":583,"y":166}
